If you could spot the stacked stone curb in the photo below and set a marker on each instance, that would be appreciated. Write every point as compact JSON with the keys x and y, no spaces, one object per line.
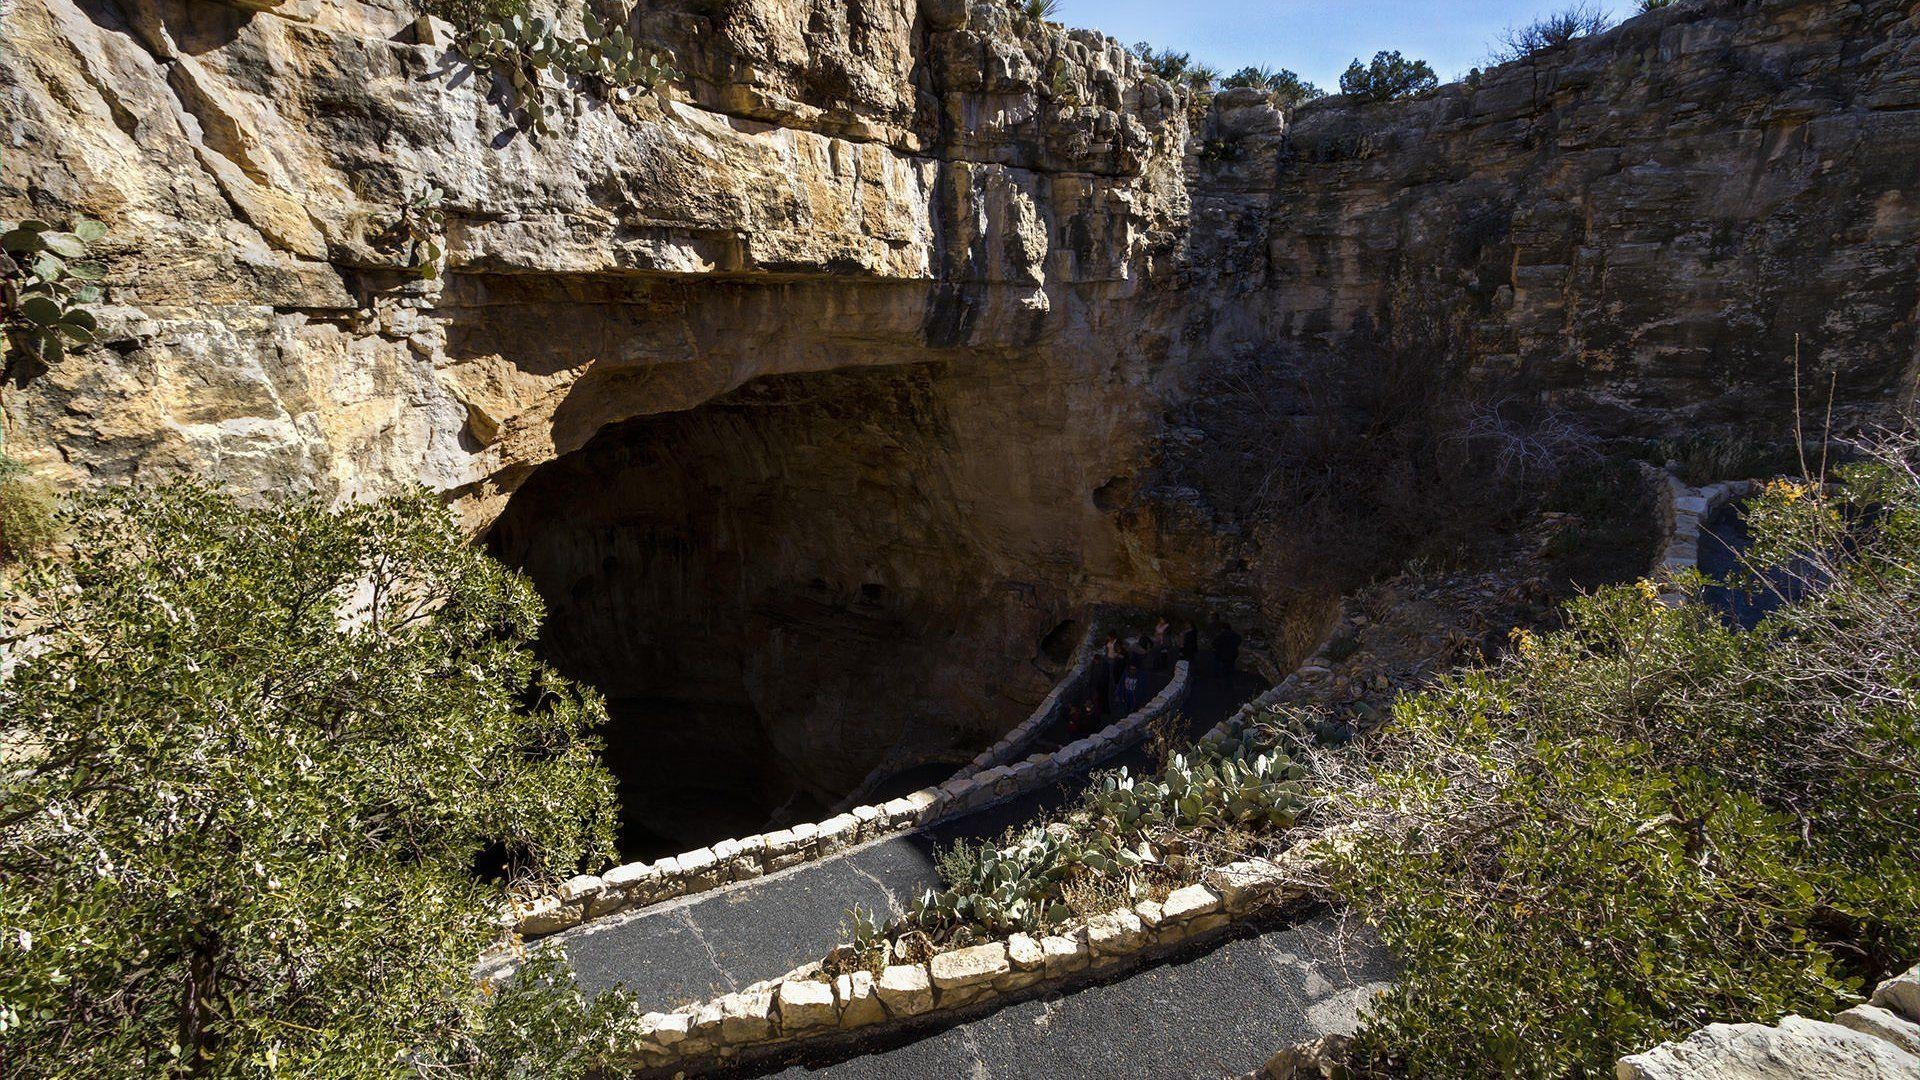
{"x":1682,"y":513}
{"x":634,"y":885}
{"x":1876,"y":1041}
{"x":807,"y":1004}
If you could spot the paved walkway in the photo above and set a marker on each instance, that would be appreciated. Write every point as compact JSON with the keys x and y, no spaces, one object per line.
{"x":712,"y":943}
{"x":1217,"y":1013}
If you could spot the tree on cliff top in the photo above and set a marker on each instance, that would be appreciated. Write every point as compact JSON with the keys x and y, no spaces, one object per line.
{"x":250,"y":762}
{"x":1388,"y":78}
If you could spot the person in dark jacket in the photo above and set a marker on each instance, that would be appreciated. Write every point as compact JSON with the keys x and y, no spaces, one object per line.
{"x":1103,"y":677}
{"x":1189,"y":643}
{"x":1226,"y":649}
{"x":1130,"y":690}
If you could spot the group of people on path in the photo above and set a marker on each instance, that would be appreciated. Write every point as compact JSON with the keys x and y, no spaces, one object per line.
{"x":1121,"y":665}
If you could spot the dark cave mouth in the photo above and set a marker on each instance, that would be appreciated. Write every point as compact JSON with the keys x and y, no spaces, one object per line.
{"x":772,"y":592}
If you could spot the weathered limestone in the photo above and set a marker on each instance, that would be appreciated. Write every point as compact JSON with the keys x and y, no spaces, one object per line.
{"x":1024,"y":952}
{"x":905,"y":990}
{"x":1064,"y":954}
{"x":859,"y":999}
{"x":965,"y":975}
{"x":805,"y":1004}
{"x":1900,"y":994}
{"x":1242,"y":885}
{"x":746,"y":1016}
{"x":1795,"y":1049}
{"x":1882,"y":1024}
{"x":1114,"y":934}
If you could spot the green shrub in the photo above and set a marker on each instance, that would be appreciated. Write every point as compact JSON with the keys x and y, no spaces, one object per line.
{"x":1389,"y":77}
{"x":467,"y":14}
{"x":1551,"y":32}
{"x":1284,"y":88}
{"x":249,"y":771}
{"x":1709,"y":457}
{"x":1654,"y":820}
{"x":27,"y":519}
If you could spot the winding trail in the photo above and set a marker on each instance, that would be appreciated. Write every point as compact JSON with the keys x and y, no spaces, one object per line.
{"x":1217,"y":1010}
{"x":691,"y":949}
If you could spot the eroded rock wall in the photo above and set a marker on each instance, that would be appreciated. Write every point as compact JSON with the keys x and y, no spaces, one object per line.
{"x":996,"y":252}
{"x":1636,"y":227}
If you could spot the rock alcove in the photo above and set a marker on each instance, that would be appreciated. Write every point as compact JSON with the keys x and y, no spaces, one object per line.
{"x":774,"y":590}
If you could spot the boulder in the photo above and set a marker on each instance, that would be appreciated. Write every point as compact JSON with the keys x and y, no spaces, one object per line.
{"x":1881,"y":1024}
{"x":1901,"y":994}
{"x":1797,"y":1049}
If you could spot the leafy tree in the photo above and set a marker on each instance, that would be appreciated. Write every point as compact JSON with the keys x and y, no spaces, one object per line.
{"x":1388,"y":78}
{"x":1285,"y":88}
{"x":252,"y":760}
{"x":1654,"y":819}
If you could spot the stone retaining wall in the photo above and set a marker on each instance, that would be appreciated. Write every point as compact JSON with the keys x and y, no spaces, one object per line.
{"x":623,"y":888}
{"x":1682,"y":514}
{"x":808,"y":1005}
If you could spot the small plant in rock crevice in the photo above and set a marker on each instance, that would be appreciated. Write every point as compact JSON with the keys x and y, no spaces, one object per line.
{"x":28,"y":521}
{"x":423,"y":230}
{"x":520,"y":51}
{"x":1551,"y":32}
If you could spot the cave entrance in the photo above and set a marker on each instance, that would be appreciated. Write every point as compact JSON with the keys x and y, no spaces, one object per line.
{"x":774,"y":590}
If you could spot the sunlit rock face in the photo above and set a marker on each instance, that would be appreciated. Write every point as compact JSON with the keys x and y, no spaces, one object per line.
{"x":816,"y":392}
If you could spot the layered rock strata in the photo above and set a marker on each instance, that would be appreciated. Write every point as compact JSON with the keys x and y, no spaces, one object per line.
{"x":851,"y":351}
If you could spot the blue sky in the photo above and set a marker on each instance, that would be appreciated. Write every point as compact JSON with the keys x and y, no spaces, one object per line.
{"x":1316,"y":38}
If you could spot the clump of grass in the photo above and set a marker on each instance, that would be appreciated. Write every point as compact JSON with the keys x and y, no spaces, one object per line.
{"x":28,"y":520}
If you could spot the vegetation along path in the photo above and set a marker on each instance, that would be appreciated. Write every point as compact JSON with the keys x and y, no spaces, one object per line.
{"x":716,"y":942}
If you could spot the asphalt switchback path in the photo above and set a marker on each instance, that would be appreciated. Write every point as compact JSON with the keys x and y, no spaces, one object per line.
{"x":1217,"y":1013}
{"x":716,"y":942}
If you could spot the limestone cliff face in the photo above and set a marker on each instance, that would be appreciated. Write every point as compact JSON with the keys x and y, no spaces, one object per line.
{"x":813,"y":391}
{"x":907,"y":186}
{"x":1639,"y":224}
